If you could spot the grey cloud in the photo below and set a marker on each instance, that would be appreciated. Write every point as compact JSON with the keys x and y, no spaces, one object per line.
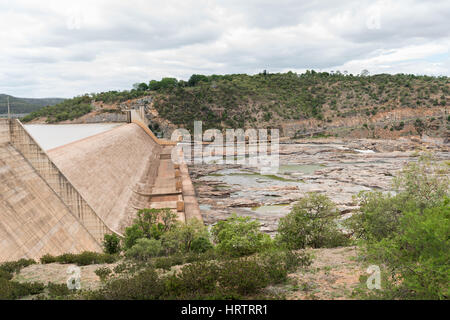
{"x":51,"y":50}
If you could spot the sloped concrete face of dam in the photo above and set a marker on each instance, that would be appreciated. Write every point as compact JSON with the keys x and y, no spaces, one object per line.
{"x":65,"y":200}
{"x":33,"y":219}
{"x":108,"y":167}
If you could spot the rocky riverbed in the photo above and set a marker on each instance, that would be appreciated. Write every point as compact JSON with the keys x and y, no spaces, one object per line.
{"x":337,"y":168}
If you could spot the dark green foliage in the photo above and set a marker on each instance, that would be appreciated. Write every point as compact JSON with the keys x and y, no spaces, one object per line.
{"x":150,"y":224}
{"x":168,"y":262}
{"x":15,"y":266}
{"x":58,"y":290}
{"x":155,"y":232}
{"x":144,"y":249}
{"x":239,"y":236}
{"x":8,"y":269}
{"x":82,"y":259}
{"x":140,"y":86}
{"x":201,"y":244}
{"x":67,"y":110}
{"x":420,"y":253}
{"x":11,"y":290}
{"x":181,"y":236}
{"x":379,"y":215}
{"x":111,"y":243}
{"x":409,"y":233}
{"x":144,"y":285}
{"x":132,"y":234}
{"x":194,"y":281}
{"x":311,"y":223}
{"x":196,"y":79}
{"x":5,"y":275}
{"x":103,"y":273}
{"x":206,"y":279}
{"x":154,"y":222}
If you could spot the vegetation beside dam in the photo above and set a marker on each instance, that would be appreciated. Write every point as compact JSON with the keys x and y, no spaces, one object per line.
{"x":405,"y":234}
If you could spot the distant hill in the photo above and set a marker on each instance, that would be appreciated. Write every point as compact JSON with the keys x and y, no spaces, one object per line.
{"x":25,"y":105}
{"x":381,"y":105}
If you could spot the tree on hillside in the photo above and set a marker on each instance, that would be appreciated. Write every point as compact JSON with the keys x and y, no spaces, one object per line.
{"x":196,"y":78}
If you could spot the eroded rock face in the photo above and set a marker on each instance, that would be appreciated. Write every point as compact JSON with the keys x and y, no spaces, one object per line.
{"x":337,"y":168}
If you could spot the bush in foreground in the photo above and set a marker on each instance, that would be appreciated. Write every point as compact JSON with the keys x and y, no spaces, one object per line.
{"x":408,"y":234}
{"x":230,"y":278}
{"x":311,"y":223}
{"x":82,"y":259}
{"x":239,"y":236}
{"x":111,"y":244}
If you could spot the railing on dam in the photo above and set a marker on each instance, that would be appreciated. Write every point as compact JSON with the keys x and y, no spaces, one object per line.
{"x":137,"y":116}
{"x":40,"y":161}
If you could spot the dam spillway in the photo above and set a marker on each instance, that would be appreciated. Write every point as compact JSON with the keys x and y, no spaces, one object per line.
{"x":66,"y":199}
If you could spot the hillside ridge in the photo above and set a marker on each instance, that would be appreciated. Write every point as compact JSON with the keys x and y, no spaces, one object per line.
{"x":312,"y":103}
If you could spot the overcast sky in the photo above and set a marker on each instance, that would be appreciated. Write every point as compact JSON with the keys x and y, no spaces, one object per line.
{"x":65,"y":48}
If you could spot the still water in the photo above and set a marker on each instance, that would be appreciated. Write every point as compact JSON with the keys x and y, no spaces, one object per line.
{"x":50,"y":136}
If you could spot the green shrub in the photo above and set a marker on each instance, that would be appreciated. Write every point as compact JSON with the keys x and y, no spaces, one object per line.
{"x":426,"y":182}
{"x":132,"y":234}
{"x":239,"y":236}
{"x":422,"y":184}
{"x":409,"y":233}
{"x":16,"y":266}
{"x":194,"y":281}
{"x":145,"y":285}
{"x":111,"y":243}
{"x":243,"y":276}
{"x":154,"y":222}
{"x":225,"y":278}
{"x":181,"y":236}
{"x":311,"y":223}
{"x":144,"y":249}
{"x":48,"y":258}
{"x":418,"y":255}
{"x":378,"y":216}
{"x":83,"y":259}
{"x":150,"y":224}
{"x":58,"y":290}
{"x":5,"y":275}
{"x":201,"y":245}
{"x":11,"y":290}
{"x":279,"y":263}
{"x":103,"y":273}
{"x":168,"y":262}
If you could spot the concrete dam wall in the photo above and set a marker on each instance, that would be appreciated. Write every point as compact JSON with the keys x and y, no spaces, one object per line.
{"x":34,"y":220}
{"x":67,"y":199}
{"x":108,"y":167}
